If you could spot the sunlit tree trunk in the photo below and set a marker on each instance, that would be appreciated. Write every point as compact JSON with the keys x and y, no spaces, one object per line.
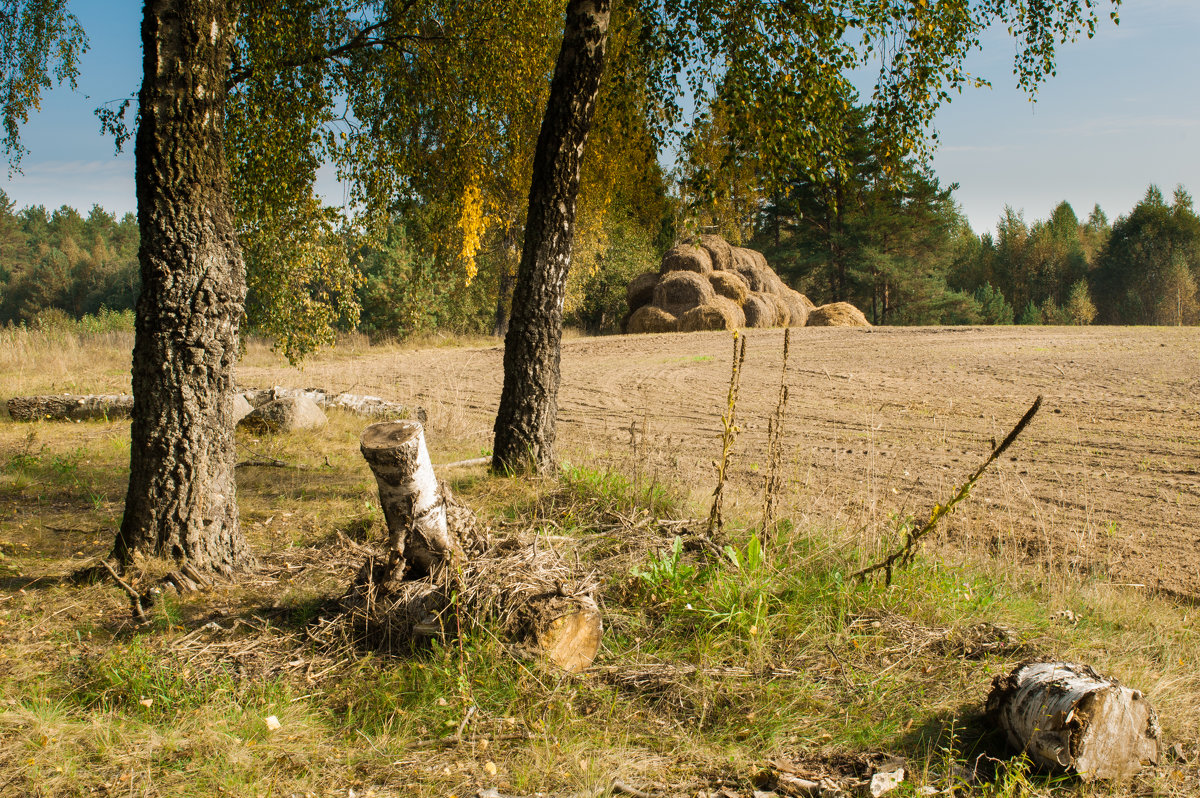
{"x":525,"y":422}
{"x":181,"y":500}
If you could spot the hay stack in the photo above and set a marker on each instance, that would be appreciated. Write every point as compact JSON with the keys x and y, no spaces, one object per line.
{"x":758,"y":277}
{"x":837,"y":314}
{"x":649,"y":319}
{"x":678,"y":292}
{"x":719,"y":252}
{"x":641,"y":290}
{"x":730,"y":285}
{"x":783,"y":314}
{"x":760,"y":311}
{"x":720,"y":314}
{"x":686,"y":258}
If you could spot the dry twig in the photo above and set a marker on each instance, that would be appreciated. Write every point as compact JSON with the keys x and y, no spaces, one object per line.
{"x":904,"y":555}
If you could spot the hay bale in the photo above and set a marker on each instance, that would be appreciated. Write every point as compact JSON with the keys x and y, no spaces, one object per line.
{"x":742,"y":259}
{"x":720,"y":314}
{"x":679,"y":292}
{"x":649,"y":319}
{"x":686,"y":258}
{"x":760,"y":311}
{"x":719,"y":251}
{"x":753,"y":267}
{"x":799,"y":306}
{"x":783,"y":314}
{"x":837,"y":314}
{"x":640,"y":290}
{"x":733,"y":309}
{"x":730,"y":285}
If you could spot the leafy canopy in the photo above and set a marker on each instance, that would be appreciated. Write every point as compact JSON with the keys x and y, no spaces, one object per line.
{"x":40,"y":44}
{"x":783,"y":73}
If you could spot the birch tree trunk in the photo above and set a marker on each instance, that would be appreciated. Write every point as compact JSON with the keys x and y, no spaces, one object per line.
{"x":525,"y":422}
{"x":181,"y":500}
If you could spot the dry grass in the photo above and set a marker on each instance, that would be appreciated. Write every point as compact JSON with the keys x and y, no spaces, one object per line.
{"x":52,"y":361}
{"x":714,"y":665}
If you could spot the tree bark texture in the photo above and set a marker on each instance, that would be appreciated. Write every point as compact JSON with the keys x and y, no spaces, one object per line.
{"x":525,"y":422}
{"x":181,"y":500}
{"x":1067,"y":717}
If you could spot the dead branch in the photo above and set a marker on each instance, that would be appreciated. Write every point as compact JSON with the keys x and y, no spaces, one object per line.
{"x":903,"y":556}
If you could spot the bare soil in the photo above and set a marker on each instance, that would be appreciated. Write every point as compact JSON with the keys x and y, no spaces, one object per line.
{"x":882,"y":423}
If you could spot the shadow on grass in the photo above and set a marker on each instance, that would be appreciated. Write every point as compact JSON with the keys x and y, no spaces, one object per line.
{"x":970,"y":746}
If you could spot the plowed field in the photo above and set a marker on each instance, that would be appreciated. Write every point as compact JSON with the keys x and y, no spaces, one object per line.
{"x":882,"y":422}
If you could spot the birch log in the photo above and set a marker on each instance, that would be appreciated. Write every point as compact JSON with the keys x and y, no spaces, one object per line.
{"x":1066,"y":717}
{"x":67,"y":407}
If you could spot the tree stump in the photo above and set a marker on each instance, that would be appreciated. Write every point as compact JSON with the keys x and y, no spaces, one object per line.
{"x":1068,"y":718}
{"x":439,"y":576}
{"x":413,"y":504}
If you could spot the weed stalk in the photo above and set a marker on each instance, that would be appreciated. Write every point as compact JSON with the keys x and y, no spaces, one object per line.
{"x":772,"y":480}
{"x":729,"y":432}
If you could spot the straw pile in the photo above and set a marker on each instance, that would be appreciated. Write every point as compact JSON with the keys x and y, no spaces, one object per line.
{"x":719,"y":314}
{"x":686,"y":258}
{"x":707,"y":284}
{"x":641,"y":290}
{"x":837,"y":314}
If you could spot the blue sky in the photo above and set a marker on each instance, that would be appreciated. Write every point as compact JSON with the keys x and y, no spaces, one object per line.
{"x":1122,"y":112}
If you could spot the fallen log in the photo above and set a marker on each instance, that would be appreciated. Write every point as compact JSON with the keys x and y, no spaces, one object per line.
{"x":69,"y":407}
{"x":354,"y":403}
{"x":1068,"y":718}
{"x":439,"y":575}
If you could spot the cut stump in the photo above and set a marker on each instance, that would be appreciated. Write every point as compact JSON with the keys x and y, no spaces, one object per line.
{"x":413,"y":504}
{"x":439,"y":575}
{"x":1068,"y":718}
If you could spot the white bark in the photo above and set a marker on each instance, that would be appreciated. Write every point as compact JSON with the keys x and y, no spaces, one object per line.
{"x":1067,"y":717}
{"x":412,"y":501}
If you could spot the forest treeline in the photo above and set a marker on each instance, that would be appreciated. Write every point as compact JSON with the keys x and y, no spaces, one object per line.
{"x":897,"y":246}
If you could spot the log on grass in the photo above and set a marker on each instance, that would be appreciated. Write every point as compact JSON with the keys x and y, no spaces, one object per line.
{"x":68,"y":407}
{"x":1068,"y":718}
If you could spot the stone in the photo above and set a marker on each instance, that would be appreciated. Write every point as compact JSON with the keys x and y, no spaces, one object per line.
{"x":285,"y":415}
{"x":241,"y":408}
